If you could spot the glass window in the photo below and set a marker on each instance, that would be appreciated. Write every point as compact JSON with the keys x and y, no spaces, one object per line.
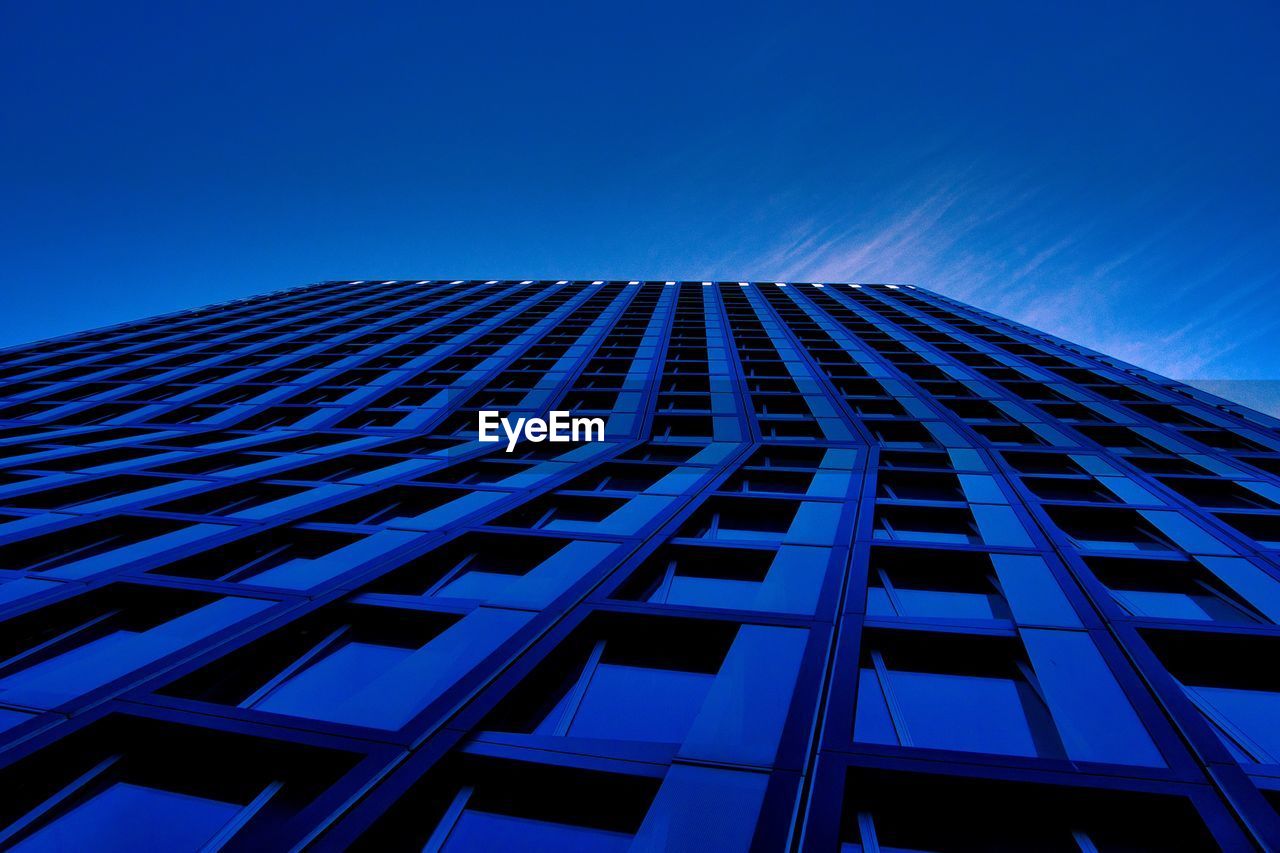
{"x":1108,"y":529}
{"x":984,"y":703}
{"x":924,"y":584}
{"x":477,"y":830}
{"x":614,"y":700}
{"x":123,"y":818}
{"x":1246,"y":717}
{"x":898,"y":811}
{"x":1226,"y":676}
{"x":926,"y":524}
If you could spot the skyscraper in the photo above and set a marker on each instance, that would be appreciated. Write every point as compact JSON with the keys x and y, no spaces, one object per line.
{"x":854,"y":567}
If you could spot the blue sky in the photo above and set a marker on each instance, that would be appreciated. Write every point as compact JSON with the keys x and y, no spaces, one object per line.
{"x":1105,"y":171}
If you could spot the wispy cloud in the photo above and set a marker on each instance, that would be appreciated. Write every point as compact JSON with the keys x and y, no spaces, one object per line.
{"x":1134,"y":296}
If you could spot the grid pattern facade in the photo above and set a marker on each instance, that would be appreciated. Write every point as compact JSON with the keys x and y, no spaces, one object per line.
{"x":856,"y":567}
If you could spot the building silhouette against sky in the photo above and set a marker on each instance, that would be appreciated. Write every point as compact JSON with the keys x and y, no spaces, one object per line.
{"x":855,"y":568}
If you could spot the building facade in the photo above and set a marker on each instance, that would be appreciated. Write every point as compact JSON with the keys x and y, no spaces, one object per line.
{"x":855,"y":567}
